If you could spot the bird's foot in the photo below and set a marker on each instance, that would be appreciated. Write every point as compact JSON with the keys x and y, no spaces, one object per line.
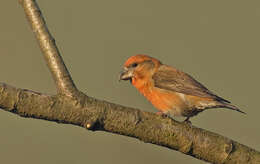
{"x":187,"y":121}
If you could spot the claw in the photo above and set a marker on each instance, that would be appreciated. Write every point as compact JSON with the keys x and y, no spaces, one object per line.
{"x":187,"y":120}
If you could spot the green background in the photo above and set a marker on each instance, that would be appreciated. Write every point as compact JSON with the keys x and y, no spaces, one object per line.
{"x":217,"y":42}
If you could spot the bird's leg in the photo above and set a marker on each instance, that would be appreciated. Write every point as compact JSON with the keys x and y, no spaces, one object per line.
{"x":187,"y":120}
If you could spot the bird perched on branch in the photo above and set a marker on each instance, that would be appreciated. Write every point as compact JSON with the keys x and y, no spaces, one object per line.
{"x":171,"y":91}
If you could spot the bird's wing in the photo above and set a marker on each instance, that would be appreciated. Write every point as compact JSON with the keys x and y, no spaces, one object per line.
{"x":169,"y":78}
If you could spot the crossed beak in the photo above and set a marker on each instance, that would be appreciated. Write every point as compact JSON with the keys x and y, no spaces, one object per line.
{"x":126,"y":74}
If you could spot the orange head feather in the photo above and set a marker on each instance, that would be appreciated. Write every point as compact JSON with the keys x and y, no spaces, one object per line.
{"x":141,"y":58}
{"x":139,"y":69}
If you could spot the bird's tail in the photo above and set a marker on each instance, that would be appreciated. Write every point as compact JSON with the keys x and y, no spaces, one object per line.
{"x":230,"y":106}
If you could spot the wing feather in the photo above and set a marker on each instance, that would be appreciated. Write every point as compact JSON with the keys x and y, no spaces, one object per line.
{"x":169,"y":78}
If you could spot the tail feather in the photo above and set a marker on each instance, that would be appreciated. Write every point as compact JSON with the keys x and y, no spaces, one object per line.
{"x":230,"y":106}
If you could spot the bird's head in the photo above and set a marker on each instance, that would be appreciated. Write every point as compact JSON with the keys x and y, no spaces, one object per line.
{"x":139,"y":67}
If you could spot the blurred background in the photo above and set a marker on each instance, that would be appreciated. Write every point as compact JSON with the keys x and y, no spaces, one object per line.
{"x":217,"y":42}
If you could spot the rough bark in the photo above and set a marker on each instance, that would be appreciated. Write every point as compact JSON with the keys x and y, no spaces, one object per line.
{"x":71,"y":106}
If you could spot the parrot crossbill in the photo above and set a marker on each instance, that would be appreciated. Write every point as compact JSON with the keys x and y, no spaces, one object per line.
{"x":171,"y":91}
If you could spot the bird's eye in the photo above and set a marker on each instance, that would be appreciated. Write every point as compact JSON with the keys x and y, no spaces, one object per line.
{"x":134,"y":65}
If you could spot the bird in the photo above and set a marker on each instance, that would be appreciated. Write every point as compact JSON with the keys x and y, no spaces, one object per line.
{"x":172,"y":91}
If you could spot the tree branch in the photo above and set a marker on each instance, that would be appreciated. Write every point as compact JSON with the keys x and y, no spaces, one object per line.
{"x":71,"y":106}
{"x":60,"y":74}
{"x":95,"y":114}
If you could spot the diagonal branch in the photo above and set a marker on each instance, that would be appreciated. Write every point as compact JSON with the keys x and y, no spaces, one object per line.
{"x":70,"y":106}
{"x":60,"y":74}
